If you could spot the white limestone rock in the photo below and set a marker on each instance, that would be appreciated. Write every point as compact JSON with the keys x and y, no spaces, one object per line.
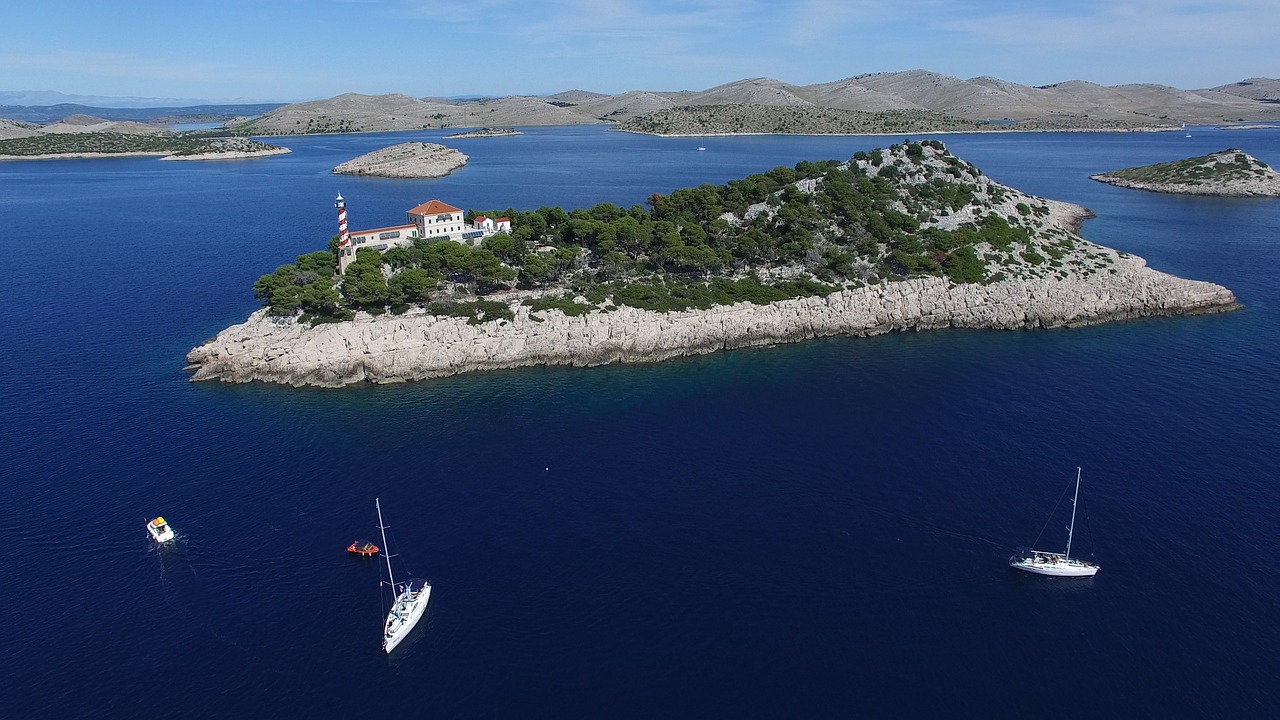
{"x":406,"y":160}
{"x":389,"y":349}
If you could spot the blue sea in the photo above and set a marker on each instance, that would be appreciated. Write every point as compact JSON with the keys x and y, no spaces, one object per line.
{"x":811,"y":530}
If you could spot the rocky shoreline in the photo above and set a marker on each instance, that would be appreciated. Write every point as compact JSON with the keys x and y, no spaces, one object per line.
{"x":232,"y":155}
{"x":163,"y":155}
{"x":485,"y":132}
{"x":1259,"y":188}
{"x":418,"y":346}
{"x":83,"y":155}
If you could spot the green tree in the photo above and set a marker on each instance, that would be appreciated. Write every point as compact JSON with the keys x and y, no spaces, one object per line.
{"x":364,"y":283}
{"x":322,"y":262}
{"x":507,"y":248}
{"x":320,"y":297}
{"x":285,"y":301}
{"x":414,"y":284}
{"x":964,"y":266}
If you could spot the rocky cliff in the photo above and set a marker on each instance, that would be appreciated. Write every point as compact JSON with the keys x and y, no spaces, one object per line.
{"x":418,"y":346}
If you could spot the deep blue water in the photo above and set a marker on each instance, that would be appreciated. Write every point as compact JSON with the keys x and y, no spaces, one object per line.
{"x":814,"y":530}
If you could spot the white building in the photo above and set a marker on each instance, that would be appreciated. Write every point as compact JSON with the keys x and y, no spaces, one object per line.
{"x":385,"y":238}
{"x":432,"y":220}
{"x":491,"y":226}
{"x":437,"y":221}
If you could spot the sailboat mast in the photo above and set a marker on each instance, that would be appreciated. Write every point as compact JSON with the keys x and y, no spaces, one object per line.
{"x":386,"y":552}
{"x":1070,"y":530}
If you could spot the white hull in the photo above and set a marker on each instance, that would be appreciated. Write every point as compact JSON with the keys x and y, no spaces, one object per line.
{"x":163,"y":534}
{"x":405,"y":614}
{"x":1068,"y":569}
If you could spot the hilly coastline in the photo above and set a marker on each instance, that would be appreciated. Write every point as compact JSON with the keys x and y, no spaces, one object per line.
{"x":933,"y":101}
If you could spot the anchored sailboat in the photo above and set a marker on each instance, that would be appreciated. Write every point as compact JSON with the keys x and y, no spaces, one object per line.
{"x":1043,"y":562}
{"x":411,"y":598}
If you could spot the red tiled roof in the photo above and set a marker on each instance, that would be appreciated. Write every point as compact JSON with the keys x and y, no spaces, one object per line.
{"x":393,"y":227}
{"x":433,"y":207}
{"x":480,"y":218}
{"x":504,"y":220}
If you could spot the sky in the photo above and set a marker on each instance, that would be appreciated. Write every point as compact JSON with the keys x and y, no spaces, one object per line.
{"x":291,"y":50}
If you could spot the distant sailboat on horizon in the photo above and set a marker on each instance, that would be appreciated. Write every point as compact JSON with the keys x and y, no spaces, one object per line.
{"x":1042,"y":562}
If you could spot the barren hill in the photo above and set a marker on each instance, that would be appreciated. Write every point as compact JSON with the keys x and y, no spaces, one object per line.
{"x":755,"y":91}
{"x":1070,"y":104}
{"x":617,"y":108}
{"x":16,"y":129}
{"x":1260,"y":88}
{"x":849,"y":94}
{"x":373,"y":113}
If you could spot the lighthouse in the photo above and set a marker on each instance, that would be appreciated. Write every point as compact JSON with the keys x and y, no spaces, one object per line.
{"x":346,"y":252}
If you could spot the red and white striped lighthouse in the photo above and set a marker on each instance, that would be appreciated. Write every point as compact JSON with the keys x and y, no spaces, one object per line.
{"x":346,"y":253}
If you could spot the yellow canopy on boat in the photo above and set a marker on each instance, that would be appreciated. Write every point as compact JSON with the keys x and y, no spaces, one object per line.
{"x":158,"y":522}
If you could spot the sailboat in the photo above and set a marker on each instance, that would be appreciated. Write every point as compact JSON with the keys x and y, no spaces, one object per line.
{"x":1043,"y":562}
{"x":411,"y":598}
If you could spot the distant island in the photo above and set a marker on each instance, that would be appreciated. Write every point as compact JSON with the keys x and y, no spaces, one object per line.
{"x":1228,"y":173}
{"x":406,"y":160}
{"x":791,"y":120}
{"x":80,"y":136}
{"x":910,"y":237}
{"x":485,"y":132}
{"x":913,"y":101}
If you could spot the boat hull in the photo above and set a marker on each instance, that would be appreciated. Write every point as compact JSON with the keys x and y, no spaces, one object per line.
{"x":412,"y":612}
{"x":1071,"y":568}
{"x":362,"y":549}
{"x":161,"y":534}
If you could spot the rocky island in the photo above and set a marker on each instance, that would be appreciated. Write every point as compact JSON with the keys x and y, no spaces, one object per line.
{"x":1229,"y":173}
{"x":908,"y":238}
{"x":485,"y":132}
{"x":83,"y":136}
{"x":406,"y":160}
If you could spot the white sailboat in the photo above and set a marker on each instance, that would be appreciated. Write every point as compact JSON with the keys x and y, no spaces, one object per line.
{"x":1043,"y":562}
{"x":411,"y":598}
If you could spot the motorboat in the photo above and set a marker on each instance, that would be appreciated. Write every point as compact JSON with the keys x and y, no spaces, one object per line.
{"x":160,"y":530}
